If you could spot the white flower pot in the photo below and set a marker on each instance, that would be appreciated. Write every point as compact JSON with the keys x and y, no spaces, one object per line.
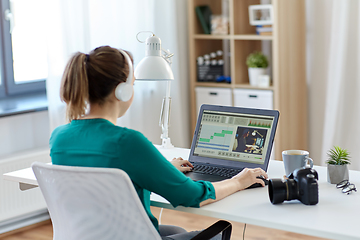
{"x":254,"y":73}
{"x":337,"y":173}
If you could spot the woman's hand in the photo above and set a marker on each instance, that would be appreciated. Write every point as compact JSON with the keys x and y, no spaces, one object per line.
{"x":242,"y":180}
{"x":247,"y":177}
{"x":182,"y":165}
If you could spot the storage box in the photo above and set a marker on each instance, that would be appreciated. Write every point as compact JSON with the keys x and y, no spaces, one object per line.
{"x":253,"y":98}
{"x":214,"y":96}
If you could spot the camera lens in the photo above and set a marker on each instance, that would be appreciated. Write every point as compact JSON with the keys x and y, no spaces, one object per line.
{"x":280,"y":191}
{"x":277,"y":191}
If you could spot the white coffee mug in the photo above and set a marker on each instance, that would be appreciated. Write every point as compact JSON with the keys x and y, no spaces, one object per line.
{"x":294,"y":159}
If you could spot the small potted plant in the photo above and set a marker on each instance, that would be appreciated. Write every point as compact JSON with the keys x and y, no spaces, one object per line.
{"x":337,"y":163}
{"x":257,"y":63}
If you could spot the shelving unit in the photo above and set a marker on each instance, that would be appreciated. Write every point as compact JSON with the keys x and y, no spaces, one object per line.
{"x":287,"y":61}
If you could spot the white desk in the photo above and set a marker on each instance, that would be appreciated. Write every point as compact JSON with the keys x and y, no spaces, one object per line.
{"x":336,"y":216}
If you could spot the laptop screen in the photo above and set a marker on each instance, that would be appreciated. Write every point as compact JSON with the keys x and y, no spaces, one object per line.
{"x":242,"y":137}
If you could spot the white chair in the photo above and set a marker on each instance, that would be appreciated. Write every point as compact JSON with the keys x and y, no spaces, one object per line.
{"x":87,"y":203}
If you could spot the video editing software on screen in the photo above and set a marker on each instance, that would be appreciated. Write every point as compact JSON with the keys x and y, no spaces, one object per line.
{"x":231,"y":136}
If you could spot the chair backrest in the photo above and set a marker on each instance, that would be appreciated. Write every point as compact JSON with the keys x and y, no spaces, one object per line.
{"x":92,"y":203}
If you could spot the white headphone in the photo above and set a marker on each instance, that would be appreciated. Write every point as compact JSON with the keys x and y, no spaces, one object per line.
{"x":124,"y":90}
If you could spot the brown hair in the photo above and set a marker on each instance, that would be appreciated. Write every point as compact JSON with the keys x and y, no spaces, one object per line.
{"x":90,"y":78}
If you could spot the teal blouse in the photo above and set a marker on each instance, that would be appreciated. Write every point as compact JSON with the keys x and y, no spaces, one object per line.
{"x":99,"y":143}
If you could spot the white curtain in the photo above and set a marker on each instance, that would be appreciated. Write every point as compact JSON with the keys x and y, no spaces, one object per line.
{"x":333,"y":70}
{"x":82,"y":25}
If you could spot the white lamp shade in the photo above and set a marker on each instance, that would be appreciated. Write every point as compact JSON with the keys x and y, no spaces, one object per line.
{"x":153,"y":68}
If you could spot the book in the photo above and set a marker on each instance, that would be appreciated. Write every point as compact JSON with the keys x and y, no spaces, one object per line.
{"x":264,"y":30}
{"x":204,"y":15}
{"x":265,"y":33}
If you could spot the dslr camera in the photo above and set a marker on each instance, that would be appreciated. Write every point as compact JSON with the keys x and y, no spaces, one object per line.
{"x":302,"y":185}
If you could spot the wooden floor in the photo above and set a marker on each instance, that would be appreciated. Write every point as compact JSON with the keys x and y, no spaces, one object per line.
{"x":43,"y":231}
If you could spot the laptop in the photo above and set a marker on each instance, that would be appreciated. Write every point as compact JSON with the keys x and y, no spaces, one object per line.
{"x":228,"y":139}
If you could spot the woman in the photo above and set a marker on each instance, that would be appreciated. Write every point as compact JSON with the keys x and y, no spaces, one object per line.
{"x":97,"y":88}
{"x":241,"y":141}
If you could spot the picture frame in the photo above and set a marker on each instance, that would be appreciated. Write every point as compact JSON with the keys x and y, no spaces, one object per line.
{"x":261,"y":14}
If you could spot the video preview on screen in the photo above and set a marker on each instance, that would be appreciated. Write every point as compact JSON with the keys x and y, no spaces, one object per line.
{"x":250,"y":140}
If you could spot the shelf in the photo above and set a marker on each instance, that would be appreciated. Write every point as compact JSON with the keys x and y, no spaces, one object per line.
{"x":228,"y":85}
{"x":285,"y":51}
{"x":209,"y":36}
{"x":211,"y":84}
{"x":252,"y":37}
{"x":235,"y":37}
{"x":248,"y":86}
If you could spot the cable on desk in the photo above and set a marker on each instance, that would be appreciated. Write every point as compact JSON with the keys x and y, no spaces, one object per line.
{"x":160,"y":215}
{"x":244,"y":231}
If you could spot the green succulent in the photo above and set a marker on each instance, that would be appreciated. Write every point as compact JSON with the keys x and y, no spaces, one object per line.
{"x":338,"y":156}
{"x":257,"y":60}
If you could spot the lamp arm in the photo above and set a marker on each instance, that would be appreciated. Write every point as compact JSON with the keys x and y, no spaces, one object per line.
{"x":259,"y":134}
{"x":167,"y":55}
{"x":165,"y":118}
{"x":167,"y":52}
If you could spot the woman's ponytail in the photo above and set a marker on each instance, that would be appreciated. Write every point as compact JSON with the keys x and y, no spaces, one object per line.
{"x":74,"y":89}
{"x":91,"y":78}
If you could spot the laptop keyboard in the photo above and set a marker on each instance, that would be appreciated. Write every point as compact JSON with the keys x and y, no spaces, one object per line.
{"x":212,"y":170}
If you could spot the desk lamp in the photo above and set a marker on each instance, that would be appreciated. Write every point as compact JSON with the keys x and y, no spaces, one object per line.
{"x":156,"y":66}
{"x":256,"y":132}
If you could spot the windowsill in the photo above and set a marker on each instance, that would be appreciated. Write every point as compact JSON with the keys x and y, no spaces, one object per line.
{"x":23,"y":104}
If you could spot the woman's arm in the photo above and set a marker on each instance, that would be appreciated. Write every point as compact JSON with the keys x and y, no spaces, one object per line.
{"x":224,"y":188}
{"x":244,"y":179}
{"x":150,"y":170}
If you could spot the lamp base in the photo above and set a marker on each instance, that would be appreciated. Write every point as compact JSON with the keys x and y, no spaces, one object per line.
{"x":166,"y":143}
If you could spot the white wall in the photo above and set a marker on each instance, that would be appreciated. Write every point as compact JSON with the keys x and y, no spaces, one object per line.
{"x":24,"y":132}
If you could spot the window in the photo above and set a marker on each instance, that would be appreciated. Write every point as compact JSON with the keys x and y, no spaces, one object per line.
{"x":23,"y":49}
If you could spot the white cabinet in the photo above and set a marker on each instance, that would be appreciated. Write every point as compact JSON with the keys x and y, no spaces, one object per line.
{"x":252,"y":98}
{"x":213,"y":96}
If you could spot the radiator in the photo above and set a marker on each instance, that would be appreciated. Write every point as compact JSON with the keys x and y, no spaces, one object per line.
{"x":14,"y":203}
